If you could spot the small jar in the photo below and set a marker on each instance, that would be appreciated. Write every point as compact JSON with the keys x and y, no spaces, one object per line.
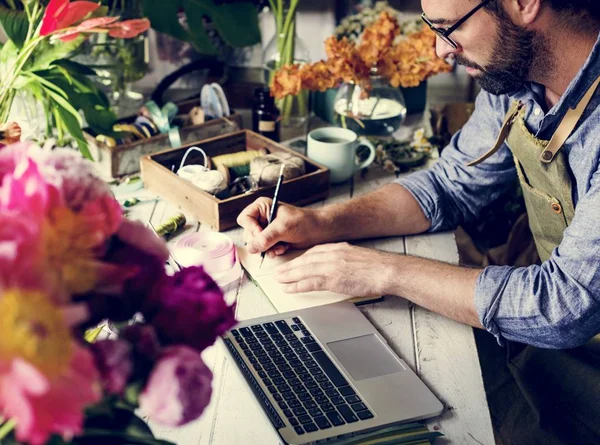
{"x":265,"y":115}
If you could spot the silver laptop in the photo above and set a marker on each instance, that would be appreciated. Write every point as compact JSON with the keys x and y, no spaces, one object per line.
{"x":325,"y":372}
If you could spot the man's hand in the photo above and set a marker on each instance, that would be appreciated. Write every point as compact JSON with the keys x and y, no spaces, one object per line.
{"x":292,"y":227}
{"x":339,"y":267}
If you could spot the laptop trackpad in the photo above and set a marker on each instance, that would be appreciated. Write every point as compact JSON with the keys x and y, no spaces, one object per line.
{"x":365,"y":357}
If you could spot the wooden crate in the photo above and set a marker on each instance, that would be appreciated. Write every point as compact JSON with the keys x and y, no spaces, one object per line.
{"x":125,"y":159}
{"x":222,"y":214}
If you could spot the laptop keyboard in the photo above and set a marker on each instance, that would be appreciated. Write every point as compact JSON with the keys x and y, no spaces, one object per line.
{"x":307,"y":386}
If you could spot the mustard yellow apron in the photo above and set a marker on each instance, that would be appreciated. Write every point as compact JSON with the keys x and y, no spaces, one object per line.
{"x":559,"y":389}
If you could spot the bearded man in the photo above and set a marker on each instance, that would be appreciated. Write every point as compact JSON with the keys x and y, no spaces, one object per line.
{"x":537,"y":119}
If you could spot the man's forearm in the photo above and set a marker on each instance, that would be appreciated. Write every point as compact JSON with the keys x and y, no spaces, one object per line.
{"x":388,"y":211}
{"x":440,"y":287}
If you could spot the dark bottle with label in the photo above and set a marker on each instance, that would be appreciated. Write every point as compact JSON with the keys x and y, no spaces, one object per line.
{"x":265,"y":115}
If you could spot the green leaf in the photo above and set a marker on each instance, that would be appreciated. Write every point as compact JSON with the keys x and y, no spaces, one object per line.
{"x":46,"y":53}
{"x":83,"y":95}
{"x":15,"y":24}
{"x":75,"y":67}
{"x":95,"y":437}
{"x":236,"y":23}
{"x":73,"y":126}
{"x":107,"y":423}
{"x":164,"y":17}
{"x":200,"y":39}
{"x":8,"y":55}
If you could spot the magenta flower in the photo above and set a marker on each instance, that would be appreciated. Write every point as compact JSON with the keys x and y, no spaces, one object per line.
{"x":136,"y":234}
{"x":131,"y":277}
{"x":179,"y":387}
{"x":143,"y":340}
{"x":114,"y":363}
{"x":189,"y":309}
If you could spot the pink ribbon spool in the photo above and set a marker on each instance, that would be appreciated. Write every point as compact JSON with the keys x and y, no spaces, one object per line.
{"x":214,"y":251}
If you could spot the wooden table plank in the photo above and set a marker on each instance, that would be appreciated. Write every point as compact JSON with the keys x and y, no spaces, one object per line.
{"x":447,"y":359}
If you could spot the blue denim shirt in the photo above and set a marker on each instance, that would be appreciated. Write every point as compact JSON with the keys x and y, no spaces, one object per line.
{"x":555,"y":304}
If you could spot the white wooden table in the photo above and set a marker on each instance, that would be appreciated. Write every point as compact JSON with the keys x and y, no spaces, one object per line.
{"x":440,"y":351}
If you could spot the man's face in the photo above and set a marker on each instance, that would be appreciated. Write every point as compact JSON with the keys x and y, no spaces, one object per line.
{"x":496,"y":52}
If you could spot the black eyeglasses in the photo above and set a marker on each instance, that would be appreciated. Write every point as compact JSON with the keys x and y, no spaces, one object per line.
{"x":444,"y":33}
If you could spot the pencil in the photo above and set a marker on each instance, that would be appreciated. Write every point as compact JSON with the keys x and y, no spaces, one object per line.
{"x":273,"y":208}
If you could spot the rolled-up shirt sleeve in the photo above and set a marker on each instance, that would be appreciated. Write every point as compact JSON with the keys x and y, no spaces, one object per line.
{"x":552,"y":305}
{"x":451,"y":193}
{"x":556,"y":304}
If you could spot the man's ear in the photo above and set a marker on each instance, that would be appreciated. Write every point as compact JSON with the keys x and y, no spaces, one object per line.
{"x":523,"y":12}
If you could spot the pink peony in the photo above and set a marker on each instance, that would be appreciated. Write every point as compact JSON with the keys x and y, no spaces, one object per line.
{"x":82,"y":190}
{"x":43,"y":407}
{"x":189,"y":309}
{"x":20,"y":250}
{"x":26,"y":190}
{"x":10,"y":155}
{"x":179,"y":387}
{"x":75,"y":176}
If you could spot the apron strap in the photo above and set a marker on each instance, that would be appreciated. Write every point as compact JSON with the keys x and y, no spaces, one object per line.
{"x":512,"y":114}
{"x":567,"y":125}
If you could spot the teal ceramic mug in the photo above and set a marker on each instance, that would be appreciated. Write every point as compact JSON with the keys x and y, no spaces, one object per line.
{"x":335,"y":148}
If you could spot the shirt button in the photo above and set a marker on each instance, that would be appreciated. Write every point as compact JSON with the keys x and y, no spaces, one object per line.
{"x":556,"y":208}
{"x":537,"y":111}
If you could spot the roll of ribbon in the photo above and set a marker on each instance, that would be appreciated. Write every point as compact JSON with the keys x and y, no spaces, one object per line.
{"x":211,"y":250}
{"x":162,"y":118}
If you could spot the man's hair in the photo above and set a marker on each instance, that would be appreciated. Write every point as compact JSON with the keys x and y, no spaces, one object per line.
{"x":583,"y":13}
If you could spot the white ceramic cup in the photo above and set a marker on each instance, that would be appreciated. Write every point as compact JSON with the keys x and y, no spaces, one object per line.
{"x":335,"y":148}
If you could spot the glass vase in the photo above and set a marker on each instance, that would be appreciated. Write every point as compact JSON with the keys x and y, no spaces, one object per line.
{"x":294,"y":110}
{"x":375,"y":111}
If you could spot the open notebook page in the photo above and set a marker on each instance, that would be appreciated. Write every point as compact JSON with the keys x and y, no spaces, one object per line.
{"x":284,"y":302}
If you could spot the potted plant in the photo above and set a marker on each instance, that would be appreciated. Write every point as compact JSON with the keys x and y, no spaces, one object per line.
{"x":36,"y":62}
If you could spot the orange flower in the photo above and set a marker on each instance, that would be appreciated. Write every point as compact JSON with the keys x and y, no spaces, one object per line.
{"x":406,"y":63}
{"x":378,"y":38}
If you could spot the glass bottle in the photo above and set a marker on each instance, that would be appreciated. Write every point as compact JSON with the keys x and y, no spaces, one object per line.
{"x":265,"y":115}
{"x":378,"y":111}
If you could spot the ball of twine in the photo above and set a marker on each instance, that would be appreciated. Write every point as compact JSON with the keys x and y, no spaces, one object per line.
{"x":265,"y":169}
{"x":211,"y":181}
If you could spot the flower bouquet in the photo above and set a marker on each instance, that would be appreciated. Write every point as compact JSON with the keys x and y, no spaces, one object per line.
{"x":68,"y":260}
{"x":406,"y":62}
{"x":370,"y":68}
{"x":36,"y":61}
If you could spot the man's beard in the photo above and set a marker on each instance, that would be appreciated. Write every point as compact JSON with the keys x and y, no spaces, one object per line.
{"x":512,"y":59}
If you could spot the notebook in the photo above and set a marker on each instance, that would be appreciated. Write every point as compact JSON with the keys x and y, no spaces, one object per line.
{"x":264,"y":277}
